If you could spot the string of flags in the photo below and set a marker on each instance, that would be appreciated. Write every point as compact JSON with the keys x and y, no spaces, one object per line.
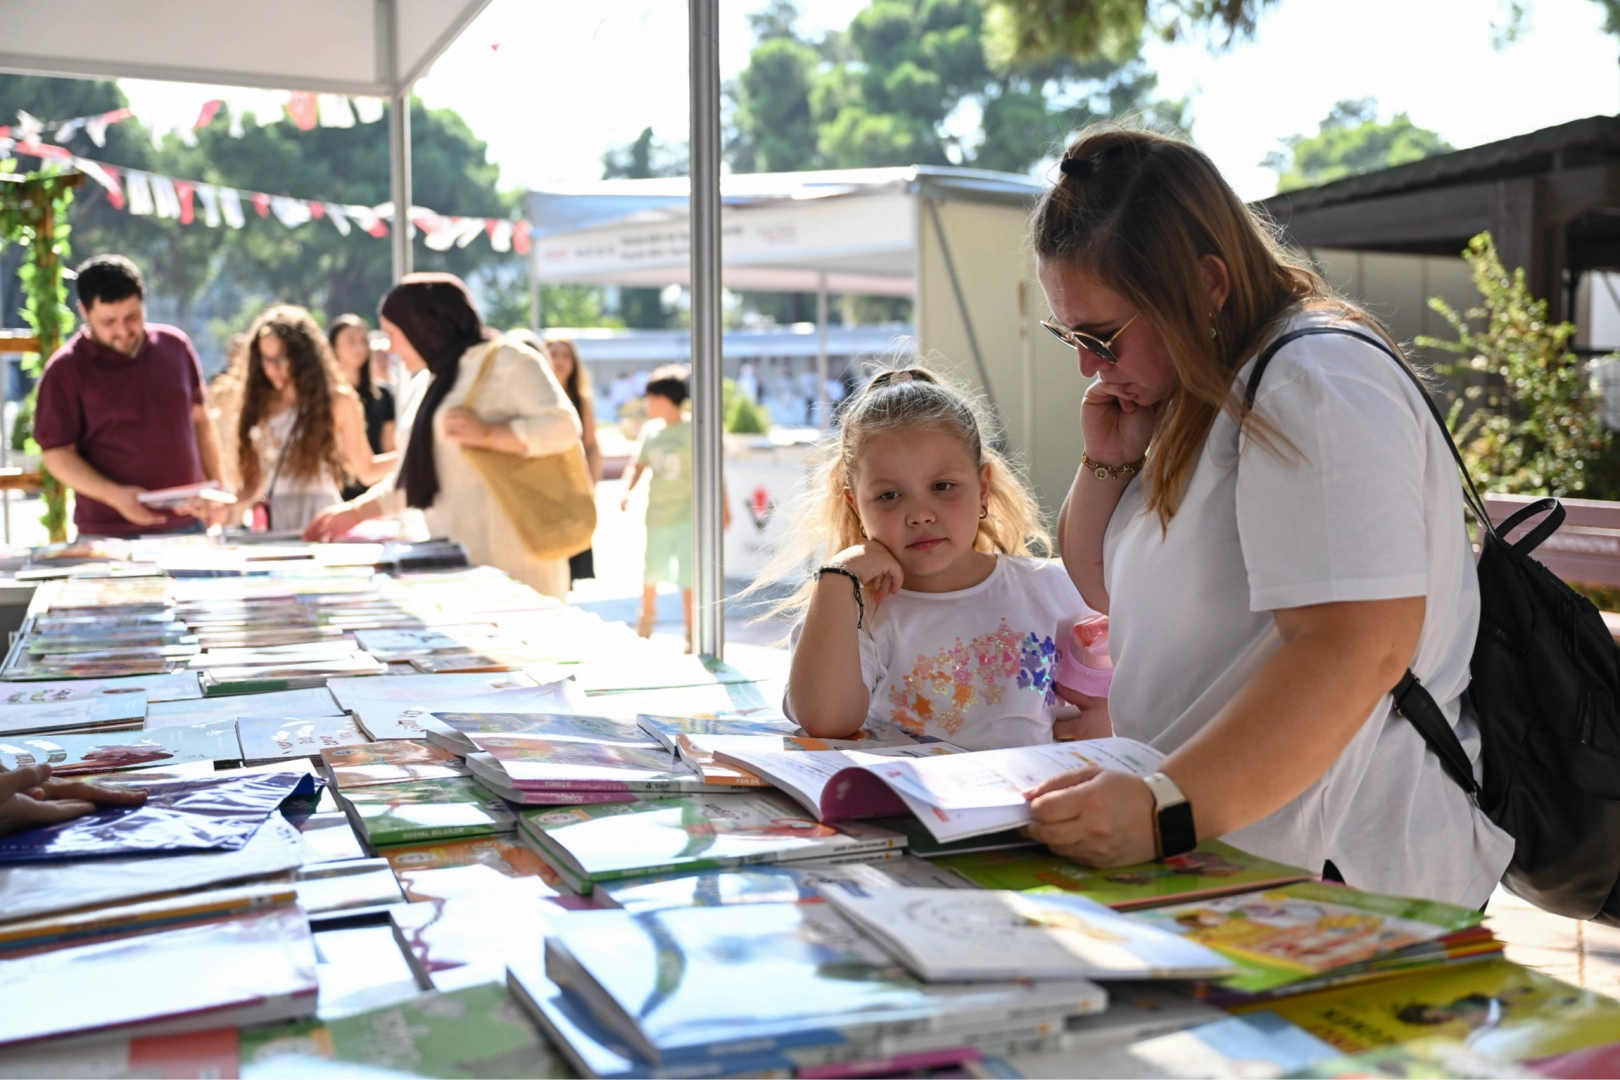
{"x":147,"y":194}
{"x":305,"y":109}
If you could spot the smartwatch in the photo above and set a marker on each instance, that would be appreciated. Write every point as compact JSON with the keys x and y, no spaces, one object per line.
{"x":1173,"y":830}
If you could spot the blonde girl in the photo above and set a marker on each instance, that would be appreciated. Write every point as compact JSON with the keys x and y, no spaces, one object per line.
{"x":930,"y":613}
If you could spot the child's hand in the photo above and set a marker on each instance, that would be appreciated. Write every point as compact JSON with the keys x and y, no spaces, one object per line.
{"x":1093,"y":721}
{"x":876,"y":566}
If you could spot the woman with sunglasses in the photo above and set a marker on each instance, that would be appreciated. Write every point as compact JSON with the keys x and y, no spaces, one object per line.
{"x":1270,"y":573}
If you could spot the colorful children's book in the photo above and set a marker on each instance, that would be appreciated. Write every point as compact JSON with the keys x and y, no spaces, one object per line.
{"x":493,"y":775}
{"x":475,"y":1032}
{"x":82,"y":754}
{"x":177,"y":686}
{"x":1212,"y":869}
{"x":454,"y":730}
{"x":100,"y":712}
{"x":474,"y":882}
{"x":271,"y":738}
{"x":1439,"y":1058}
{"x":1494,"y":1007}
{"x":341,"y":886}
{"x":503,"y":854}
{"x":800,"y":882}
{"x":956,"y":794}
{"x":1592,"y":1063}
{"x":1259,"y":1044}
{"x":538,"y":763}
{"x":465,"y":941}
{"x":1300,"y":931}
{"x":973,"y":935}
{"x":246,"y":969}
{"x":591,"y":844}
{"x":692,"y":984}
{"x":200,"y":1055}
{"x":923,"y":844}
{"x":461,"y":663}
{"x":426,"y":810}
{"x":714,"y":700}
{"x":666,"y":729}
{"x":396,"y":761}
{"x":697,"y":752}
{"x":61,"y":929}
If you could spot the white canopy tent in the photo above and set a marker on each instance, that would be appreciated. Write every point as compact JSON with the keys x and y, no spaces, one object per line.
{"x":365,"y":47}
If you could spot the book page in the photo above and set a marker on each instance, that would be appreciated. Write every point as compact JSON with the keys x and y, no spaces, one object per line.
{"x":989,"y":778}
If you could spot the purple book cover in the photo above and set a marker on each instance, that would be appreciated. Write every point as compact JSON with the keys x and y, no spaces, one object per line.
{"x":182,"y":815}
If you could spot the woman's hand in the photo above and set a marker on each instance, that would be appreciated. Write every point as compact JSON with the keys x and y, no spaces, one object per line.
{"x":875,"y":565}
{"x":1117,"y":430}
{"x":333,"y":522}
{"x":29,"y":798}
{"x":462,"y":425}
{"x":1094,"y":816}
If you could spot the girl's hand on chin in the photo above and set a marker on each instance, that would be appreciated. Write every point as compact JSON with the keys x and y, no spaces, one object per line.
{"x":1116,"y":429}
{"x":875,"y":565}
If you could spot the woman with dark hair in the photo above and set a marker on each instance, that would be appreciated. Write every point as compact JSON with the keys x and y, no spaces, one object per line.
{"x":520,"y":410}
{"x":301,"y":428}
{"x":350,"y":339}
{"x":1273,"y":558}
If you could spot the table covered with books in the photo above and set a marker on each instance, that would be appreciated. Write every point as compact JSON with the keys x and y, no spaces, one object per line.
{"x":409,"y":817}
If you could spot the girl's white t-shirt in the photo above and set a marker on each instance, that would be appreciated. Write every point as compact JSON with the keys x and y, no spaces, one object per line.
{"x":1369,"y":507}
{"x":972,"y":667}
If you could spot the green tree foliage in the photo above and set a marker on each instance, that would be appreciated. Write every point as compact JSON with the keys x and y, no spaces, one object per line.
{"x":1535,"y":429}
{"x":904,"y":86}
{"x":743,"y":415}
{"x":1350,"y":141}
{"x":311,"y":264}
{"x":644,"y":159}
{"x":1035,"y":30}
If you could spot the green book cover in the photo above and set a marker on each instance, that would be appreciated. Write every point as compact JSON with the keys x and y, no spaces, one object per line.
{"x":427,"y":810}
{"x":609,"y":841}
{"x":476,"y":1032}
{"x":1211,"y":869}
{"x":1294,"y":933}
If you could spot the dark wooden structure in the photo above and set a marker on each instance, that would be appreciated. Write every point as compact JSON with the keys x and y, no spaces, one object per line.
{"x":1550,"y":198}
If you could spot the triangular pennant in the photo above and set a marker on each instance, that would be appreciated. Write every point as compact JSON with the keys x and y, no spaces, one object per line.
{"x":104,"y":176}
{"x":261,"y":203}
{"x":368,"y":109}
{"x":138,"y":187}
{"x":208,"y":195}
{"x":68,"y":128}
{"x":184,"y":189}
{"x":206,"y":115}
{"x":500,"y":235}
{"x":333,"y":111}
{"x":520,"y":238}
{"x":340,"y":220}
{"x":303,"y":110}
{"x":96,"y":128}
{"x":230,"y":207}
{"x":290,"y":212}
{"x":367,"y":218}
{"x":166,"y":198}
{"x":235,"y":129}
{"x":317,"y":211}
{"x":29,"y":127}
{"x":468,"y":230}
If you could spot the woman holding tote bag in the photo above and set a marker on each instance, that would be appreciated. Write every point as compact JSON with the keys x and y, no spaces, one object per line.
{"x":489,"y":440}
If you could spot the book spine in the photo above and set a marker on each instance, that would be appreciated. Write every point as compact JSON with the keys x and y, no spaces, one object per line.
{"x":448,"y":832}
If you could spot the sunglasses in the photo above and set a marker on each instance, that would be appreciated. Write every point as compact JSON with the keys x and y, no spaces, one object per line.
{"x":1079,"y":339}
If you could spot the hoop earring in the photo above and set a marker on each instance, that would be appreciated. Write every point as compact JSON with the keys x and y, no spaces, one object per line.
{"x":984,"y":512}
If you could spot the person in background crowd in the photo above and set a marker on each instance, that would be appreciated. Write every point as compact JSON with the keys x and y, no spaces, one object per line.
{"x":122,"y":410}
{"x":576,"y":383}
{"x":225,"y":405}
{"x":748,"y":382}
{"x":621,"y":393}
{"x":350,"y":339}
{"x":302,"y":427}
{"x":521,"y":410}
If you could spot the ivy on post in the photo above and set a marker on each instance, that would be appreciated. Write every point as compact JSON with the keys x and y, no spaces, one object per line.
{"x":33,"y":213}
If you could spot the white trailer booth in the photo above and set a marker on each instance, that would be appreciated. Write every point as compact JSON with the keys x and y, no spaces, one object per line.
{"x":951,"y":239}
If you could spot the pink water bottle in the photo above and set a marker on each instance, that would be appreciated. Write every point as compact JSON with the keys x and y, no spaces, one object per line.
{"x":1083,"y":662}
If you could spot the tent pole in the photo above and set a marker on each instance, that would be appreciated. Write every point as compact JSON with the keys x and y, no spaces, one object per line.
{"x":399,"y":178}
{"x":708,"y":490}
{"x":822,"y":417}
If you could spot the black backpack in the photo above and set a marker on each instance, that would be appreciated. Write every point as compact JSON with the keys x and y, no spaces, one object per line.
{"x":1545,"y":689}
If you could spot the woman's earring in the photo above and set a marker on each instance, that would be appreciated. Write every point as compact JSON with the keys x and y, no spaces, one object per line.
{"x":984,"y":512}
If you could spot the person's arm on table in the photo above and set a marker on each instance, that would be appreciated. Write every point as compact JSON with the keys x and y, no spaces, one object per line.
{"x":825,"y":686}
{"x":72,"y":470}
{"x":29,"y":798}
{"x":1276,"y":737}
{"x":349,"y":424}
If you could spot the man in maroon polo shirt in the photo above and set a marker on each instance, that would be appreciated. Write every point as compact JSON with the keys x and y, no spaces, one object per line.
{"x":122,"y":409}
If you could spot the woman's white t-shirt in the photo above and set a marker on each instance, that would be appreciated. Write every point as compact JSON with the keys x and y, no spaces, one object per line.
{"x":972,"y":667}
{"x":1368,"y":508}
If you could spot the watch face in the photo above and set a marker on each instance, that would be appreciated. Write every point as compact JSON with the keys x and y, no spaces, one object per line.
{"x":1177,"y":835}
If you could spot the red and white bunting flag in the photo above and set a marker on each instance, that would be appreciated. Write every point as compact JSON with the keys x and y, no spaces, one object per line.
{"x":340,"y":220}
{"x":367,"y":218}
{"x":261,"y":203}
{"x":303,"y":110}
{"x":290,"y":212}
{"x":369,"y":110}
{"x":184,"y":189}
{"x":500,"y":234}
{"x":520,"y":238}
{"x":104,"y":176}
{"x":230,"y":207}
{"x":138,"y":186}
{"x":206,"y":114}
{"x":332,"y":110}
{"x":208,"y":195}
{"x":164,"y":195}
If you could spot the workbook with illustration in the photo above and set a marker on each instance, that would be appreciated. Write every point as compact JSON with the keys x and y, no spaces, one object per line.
{"x":956,"y":794}
{"x":426,"y":810}
{"x":453,"y":730}
{"x":396,"y":761}
{"x":591,"y":844}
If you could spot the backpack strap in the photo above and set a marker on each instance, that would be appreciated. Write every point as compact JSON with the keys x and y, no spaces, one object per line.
{"x":1412,"y":700}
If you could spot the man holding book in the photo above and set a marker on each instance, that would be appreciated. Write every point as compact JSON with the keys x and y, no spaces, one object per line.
{"x":122,"y":410}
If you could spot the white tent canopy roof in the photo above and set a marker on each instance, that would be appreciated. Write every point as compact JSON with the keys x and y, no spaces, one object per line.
{"x":364,"y":47}
{"x":780,"y":231}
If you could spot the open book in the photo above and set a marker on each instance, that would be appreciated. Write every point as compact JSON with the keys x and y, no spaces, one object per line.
{"x":954,"y":793}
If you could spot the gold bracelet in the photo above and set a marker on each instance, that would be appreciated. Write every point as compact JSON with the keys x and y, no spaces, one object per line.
{"x":1110,"y":472}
